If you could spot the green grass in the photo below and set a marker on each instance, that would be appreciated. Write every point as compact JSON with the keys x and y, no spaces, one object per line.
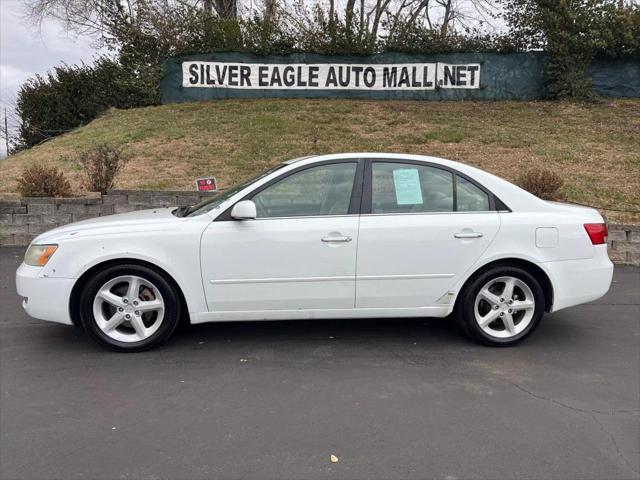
{"x":596,"y":148}
{"x":446,"y":135}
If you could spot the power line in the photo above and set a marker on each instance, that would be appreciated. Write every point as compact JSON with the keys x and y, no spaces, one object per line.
{"x":6,"y":131}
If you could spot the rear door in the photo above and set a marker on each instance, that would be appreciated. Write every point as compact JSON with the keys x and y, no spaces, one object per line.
{"x":422,"y":226}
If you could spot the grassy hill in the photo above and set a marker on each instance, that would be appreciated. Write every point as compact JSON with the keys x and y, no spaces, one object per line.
{"x":596,"y":148}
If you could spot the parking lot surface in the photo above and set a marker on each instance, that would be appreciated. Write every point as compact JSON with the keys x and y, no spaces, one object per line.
{"x":388,"y":398}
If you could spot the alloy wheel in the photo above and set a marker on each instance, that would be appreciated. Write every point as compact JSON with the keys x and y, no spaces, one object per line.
{"x":504,"y":307}
{"x":128,"y":308}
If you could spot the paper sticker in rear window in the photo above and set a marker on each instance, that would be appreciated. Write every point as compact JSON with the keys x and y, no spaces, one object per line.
{"x":407,"y":185}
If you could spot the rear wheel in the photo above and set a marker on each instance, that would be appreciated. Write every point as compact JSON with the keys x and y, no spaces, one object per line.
{"x":501,"y":307}
{"x":129,"y":308}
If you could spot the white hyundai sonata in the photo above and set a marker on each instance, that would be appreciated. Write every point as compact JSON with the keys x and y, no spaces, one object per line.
{"x":332,"y":236}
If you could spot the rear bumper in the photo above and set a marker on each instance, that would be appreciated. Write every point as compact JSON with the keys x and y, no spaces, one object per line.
{"x":44,"y":298}
{"x":579,"y":281}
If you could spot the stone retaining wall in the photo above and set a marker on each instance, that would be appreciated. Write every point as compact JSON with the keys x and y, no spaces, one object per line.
{"x":22,"y":219}
{"x":624,"y":244}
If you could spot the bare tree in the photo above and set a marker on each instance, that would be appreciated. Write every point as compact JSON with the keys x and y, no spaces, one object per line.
{"x":226,"y":8}
{"x":84,"y":17}
{"x":105,"y":19}
{"x":269,"y":10}
{"x":99,"y":18}
{"x":447,"y":17}
{"x":465,"y":13}
{"x":439,"y":15}
{"x":377,"y":12}
{"x":348,"y":12}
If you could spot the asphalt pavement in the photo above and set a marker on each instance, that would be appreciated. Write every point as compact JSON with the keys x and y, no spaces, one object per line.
{"x":389,"y":399}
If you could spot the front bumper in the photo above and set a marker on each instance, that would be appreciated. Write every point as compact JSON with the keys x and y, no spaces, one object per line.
{"x":45,"y":298}
{"x":580,"y":281}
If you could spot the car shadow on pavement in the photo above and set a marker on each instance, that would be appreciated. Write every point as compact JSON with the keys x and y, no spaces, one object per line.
{"x":553,"y":332}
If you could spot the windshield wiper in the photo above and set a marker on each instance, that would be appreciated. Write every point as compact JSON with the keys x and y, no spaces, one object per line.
{"x":180,"y":211}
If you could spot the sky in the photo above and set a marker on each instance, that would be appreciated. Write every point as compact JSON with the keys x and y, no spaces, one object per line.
{"x":26,"y":50}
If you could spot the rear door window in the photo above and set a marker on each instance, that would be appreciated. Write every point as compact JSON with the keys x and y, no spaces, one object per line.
{"x":410,"y":188}
{"x":470,"y":197}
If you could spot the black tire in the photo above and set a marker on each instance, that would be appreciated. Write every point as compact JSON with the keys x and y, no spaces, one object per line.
{"x":170,"y":297}
{"x":465,"y":306}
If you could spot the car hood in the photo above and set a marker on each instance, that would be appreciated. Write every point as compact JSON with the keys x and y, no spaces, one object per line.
{"x":141,"y":220}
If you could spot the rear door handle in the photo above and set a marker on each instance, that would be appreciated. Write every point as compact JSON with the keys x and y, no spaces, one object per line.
{"x":336,"y":238}
{"x":467,"y":235}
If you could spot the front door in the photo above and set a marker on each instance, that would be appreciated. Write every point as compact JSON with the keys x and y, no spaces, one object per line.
{"x":422,"y":227}
{"x":300,"y":251}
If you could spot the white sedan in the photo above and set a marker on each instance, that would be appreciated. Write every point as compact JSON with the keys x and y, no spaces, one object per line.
{"x":333,"y":236}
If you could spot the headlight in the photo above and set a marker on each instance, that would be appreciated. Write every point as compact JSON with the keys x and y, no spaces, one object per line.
{"x":39,"y":255}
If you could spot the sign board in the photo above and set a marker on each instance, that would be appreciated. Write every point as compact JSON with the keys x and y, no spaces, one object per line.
{"x":206,"y":184}
{"x":329,"y":76}
{"x":383,"y":76}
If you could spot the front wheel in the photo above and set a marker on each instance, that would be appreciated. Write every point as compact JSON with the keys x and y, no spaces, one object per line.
{"x":501,"y":307}
{"x":129,"y":308}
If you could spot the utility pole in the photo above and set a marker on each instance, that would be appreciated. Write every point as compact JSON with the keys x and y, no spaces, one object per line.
{"x":6,"y":131}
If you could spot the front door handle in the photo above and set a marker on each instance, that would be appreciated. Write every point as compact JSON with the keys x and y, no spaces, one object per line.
{"x":467,"y":235}
{"x":332,"y":238}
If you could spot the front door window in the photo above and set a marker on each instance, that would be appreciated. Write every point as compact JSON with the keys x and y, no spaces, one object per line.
{"x":317,"y":191}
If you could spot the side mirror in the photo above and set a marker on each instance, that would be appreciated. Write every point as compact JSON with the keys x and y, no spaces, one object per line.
{"x":244,"y":210}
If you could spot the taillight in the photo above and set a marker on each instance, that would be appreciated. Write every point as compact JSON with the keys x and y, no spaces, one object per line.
{"x":597,"y":232}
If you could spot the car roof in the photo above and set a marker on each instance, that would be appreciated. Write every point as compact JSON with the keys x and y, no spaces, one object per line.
{"x":349,"y":155}
{"x":298,"y":159}
{"x":309,"y":159}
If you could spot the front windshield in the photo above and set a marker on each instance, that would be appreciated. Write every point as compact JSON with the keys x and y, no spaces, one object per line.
{"x":212,"y":202}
